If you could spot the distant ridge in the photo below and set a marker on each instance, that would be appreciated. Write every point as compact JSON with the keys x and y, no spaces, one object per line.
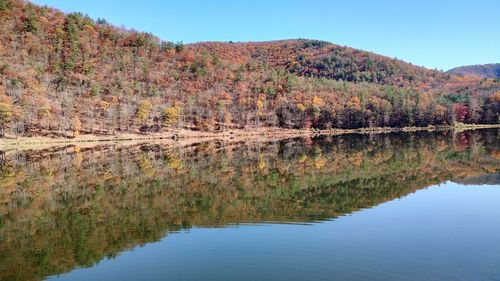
{"x":491,"y":70}
{"x":486,"y":179}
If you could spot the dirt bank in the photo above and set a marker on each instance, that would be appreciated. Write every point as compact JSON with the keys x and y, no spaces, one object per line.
{"x":185,"y":137}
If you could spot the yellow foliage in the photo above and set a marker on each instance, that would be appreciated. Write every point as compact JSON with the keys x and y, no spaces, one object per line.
{"x":78,"y":157}
{"x":106,"y":175}
{"x":146,"y":167}
{"x":262,"y":164}
{"x":172,"y":161}
{"x":44,"y":111}
{"x":34,"y":88}
{"x":88,"y":28}
{"x":170,"y":115}
{"x":303,"y":159}
{"x":77,"y":125}
{"x":356,"y":159}
{"x":143,"y":110}
{"x":7,"y":176}
{"x":354,"y":103}
{"x":260,"y":106}
{"x":319,"y":163}
{"x":104,"y":105}
{"x":301,"y":107}
{"x":317,"y":101}
{"x":5,"y":113}
{"x":441,"y":145}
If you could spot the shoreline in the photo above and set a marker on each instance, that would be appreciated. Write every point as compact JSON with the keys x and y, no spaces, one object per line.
{"x":188,"y":136}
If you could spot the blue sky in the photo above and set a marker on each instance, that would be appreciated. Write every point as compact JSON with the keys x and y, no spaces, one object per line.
{"x":432,"y":33}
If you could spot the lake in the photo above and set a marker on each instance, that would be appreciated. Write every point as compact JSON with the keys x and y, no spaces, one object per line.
{"x":406,"y":206}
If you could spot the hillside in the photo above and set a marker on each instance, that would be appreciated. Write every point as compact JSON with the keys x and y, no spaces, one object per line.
{"x":65,"y":75}
{"x":481,"y":70}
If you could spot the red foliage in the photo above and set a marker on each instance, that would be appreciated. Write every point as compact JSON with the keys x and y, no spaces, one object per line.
{"x":460,"y":112}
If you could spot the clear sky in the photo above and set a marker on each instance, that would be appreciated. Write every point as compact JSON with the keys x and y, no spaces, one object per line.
{"x":433,"y":33}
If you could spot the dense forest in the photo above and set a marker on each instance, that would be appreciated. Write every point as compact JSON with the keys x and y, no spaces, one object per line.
{"x":67,"y":74}
{"x":73,"y":206}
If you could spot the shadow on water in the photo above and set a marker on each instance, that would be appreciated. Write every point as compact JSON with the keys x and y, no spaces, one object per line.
{"x":70,"y":206}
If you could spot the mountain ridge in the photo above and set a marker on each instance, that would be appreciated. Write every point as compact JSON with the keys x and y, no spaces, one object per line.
{"x":491,"y":70}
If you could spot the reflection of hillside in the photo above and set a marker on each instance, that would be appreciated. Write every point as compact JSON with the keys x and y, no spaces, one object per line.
{"x":72,"y":207}
{"x":487,"y":179}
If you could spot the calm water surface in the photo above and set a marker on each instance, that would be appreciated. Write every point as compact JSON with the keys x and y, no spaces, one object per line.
{"x":387,"y":207}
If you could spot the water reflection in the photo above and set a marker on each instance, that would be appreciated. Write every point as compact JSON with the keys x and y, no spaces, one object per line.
{"x":71,"y":206}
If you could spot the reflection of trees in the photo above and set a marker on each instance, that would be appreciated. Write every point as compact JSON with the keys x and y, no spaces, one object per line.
{"x":71,"y":207}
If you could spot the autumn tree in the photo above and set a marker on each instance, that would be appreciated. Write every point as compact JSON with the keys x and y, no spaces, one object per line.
{"x":143,"y":111}
{"x":491,"y":113}
{"x":353,"y":117}
{"x":5,"y":117}
{"x":459,"y":112}
{"x":179,"y":47}
{"x":170,"y":115}
{"x":76,"y":125}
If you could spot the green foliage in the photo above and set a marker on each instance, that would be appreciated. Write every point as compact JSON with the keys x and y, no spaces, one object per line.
{"x":198,"y":67}
{"x":4,"y":5}
{"x":69,"y":63}
{"x":106,"y":33}
{"x":139,"y":40}
{"x":455,"y":98}
{"x":30,"y":24}
{"x":3,"y":68}
{"x":71,"y":25}
{"x":273,"y":76}
{"x":179,"y":47}
{"x":95,"y":90}
{"x":352,"y":65}
{"x":167,"y":46}
{"x":291,"y":81}
{"x":216,"y":61}
{"x":270,"y":91}
{"x":238,"y":74}
{"x":316,"y":44}
{"x":101,"y":21}
{"x":71,"y":28}
{"x":154,"y":92}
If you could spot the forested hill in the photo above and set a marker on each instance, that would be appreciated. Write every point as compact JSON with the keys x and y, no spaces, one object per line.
{"x":68,"y":74}
{"x":482,"y":70}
